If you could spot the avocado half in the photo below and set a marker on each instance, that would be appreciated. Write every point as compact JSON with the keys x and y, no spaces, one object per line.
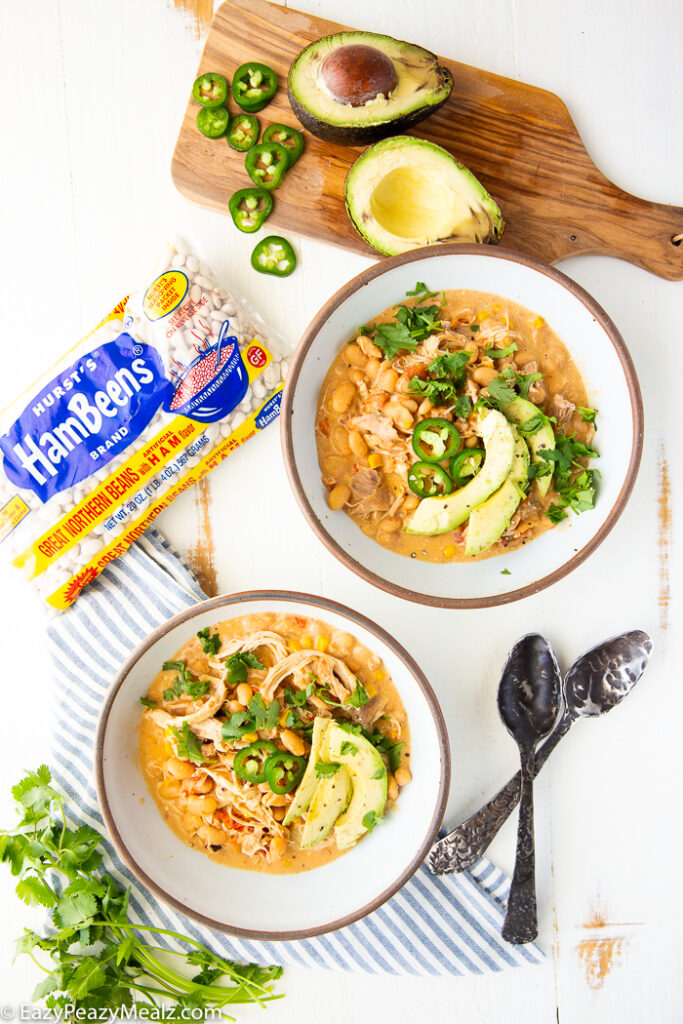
{"x":357,"y":87}
{"x":405,"y":192}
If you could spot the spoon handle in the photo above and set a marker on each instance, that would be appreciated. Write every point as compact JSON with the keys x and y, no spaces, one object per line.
{"x":521,"y":919}
{"x":463,"y":847}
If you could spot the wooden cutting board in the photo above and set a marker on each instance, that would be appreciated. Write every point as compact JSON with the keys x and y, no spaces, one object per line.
{"x":520,"y":142}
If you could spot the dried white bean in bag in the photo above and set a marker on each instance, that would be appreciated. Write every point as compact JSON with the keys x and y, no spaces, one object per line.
{"x":174,"y":379}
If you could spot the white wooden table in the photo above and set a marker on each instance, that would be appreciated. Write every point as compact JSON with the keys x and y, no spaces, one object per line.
{"x":93,"y":96}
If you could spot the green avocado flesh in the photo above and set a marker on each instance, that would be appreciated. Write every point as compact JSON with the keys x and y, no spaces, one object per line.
{"x":330,"y":799}
{"x":309,"y":780}
{"x":364,"y":101}
{"x":405,"y":192}
{"x":368,"y":781}
{"x":488,"y":520}
{"x":521,"y":411}
{"x":440,"y":515}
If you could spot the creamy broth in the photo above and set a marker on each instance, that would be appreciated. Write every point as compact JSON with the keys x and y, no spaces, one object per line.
{"x":200,"y":826}
{"x":365,"y":401}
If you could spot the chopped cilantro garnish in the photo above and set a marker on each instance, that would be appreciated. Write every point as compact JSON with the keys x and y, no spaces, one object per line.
{"x":533,"y":424}
{"x":524,"y":382}
{"x":421,"y":289}
{"x":501,"y":390}
{"x":147,"y":703}
{"x":189,"y":745}
{"x":391,"y":338}
{"x":349,"y":748}
{"x":500,"y":353}
{"x":184,"y":683}
{"x":474,"y":328}
{"x":462,"y":407}
{"x":297,"y":698}
{"x":325,"y":771}
{"x":258,"y":715}
{"x":587,"y":415}
{"x":575,"y":485}
{"x":505,"y":572}
{"x":359,"y":698}
{"x":238,"y":665}
{"x":211,"y":642}
{"x":370,"y":820}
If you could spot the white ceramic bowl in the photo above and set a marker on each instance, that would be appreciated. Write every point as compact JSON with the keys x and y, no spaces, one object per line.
{"x":601,"y":357}
{"x":251,"y":903}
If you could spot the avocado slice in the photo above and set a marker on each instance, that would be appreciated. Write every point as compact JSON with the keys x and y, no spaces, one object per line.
{"x":368,"y":779}
{"x":439,"y":515}
{"x":309,"y":780}
{"x":488,"y":520}
{"x":357,"y":87}
{"x":520,"y":410}
{"x":330,"y":799}
{"x":405,"y":192}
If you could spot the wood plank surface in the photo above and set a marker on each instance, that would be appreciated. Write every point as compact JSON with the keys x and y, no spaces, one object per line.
{"x":520,"y":141}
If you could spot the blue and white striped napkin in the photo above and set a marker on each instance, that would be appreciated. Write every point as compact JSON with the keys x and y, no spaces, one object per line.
{"x":432,"y":926}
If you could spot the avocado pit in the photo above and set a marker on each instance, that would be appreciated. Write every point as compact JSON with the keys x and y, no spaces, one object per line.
{"x":357,"y":73}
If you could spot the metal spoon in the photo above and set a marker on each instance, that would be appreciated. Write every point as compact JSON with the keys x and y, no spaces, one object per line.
{"x":529,"y":698}
{"x":595,"y":683}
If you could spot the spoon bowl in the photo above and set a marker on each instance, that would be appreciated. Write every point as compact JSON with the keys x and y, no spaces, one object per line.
{"x":604,"y":675}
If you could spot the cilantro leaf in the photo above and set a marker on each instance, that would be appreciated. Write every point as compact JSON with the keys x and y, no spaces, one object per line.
{"x":239,"y":664}
{"x":370,"y":820}
{"x":439,"y":392}
{"x":349,"y":748}
{"x":391,"y":338}
{"x":524,"y":382}
{"x":359,"y":698}
{"x":450,"y":365}
{"x":298,"y":698}
{"x":462,"y":407}
{"x":147,"y":703}
{"x":185,"y":683}
{"x":501,"y":390}
{"x":505,"y":572}
{"x":420,"y":289}
{"x":500,"y":353}
{"x":326,"y":771}
{"x":534,"y":424}
{"x":211,"y":642}
{"x":587,"y":414}
{"x":264,"y":716}
{"x":189,"y":744}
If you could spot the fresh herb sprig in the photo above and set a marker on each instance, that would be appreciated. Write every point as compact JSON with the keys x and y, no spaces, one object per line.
{"x":211,"y":642}
{"x":239,"y":664}
{"x":258,"y":715}
{"x":96,"y":961}
{"x":184,"y":683}
{"x":411,"y":324}
{"x":575,"y":484}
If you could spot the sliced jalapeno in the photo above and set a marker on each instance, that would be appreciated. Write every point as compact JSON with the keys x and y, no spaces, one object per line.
{"x":428,"y":480}
{"x":243,"y":132}
{"x":253,"y":86}
{"x":250,"y":762}
{"x":274,"y":255}
{"x":210,"y":89}
{"x":266,"y":163}
{"x":465,"y":464}
{"x":435,"y":439}
{"x":250,"y":208}
{"x":290,"y":138}
{"x":213,"y":121}
{"x":283,"y":771}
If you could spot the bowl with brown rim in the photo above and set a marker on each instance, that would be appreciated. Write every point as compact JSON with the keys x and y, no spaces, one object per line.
{"x":600,"y":356}
{"x":255,"y":903}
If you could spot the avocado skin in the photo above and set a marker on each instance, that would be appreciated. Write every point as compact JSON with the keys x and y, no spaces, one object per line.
{"x":360,"y":135}
{"x":363,"y":133}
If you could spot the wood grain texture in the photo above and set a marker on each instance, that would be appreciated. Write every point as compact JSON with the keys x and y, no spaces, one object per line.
{"x":519,"y":140}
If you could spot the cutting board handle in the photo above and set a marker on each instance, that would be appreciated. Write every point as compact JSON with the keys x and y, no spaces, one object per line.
{"x":647,"y":234}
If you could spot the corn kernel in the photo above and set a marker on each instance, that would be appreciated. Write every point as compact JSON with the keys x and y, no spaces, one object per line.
{"x":511,"y":323}
{"x":450,"y":551}
{"x":371,"y":690}
{"x":538,"y":322}
{"x":375,"y":460}
{"x":378,"y":675}
{"x":322,"y":643}
{"x":307,"y":642}
{"x":294,"y":644}
{"x":250,"y":737}
{"x":282,"y":720}
{"x":496,"y":308}
{"x":484,"y":315}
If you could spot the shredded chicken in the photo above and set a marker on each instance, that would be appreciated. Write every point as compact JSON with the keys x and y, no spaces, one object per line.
{"x":562,"y":409}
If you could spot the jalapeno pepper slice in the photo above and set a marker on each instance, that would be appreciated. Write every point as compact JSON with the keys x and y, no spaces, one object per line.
{"x":435,"y":439}
{"x":243,"y":132}
{"x":428,"y":480}
{"x":465,"y":464}
{"x":274,"y":255}
{"x":213,"y":121}
{"x":210,"y":89}
{"x":283,"y":771}
{"x":266,"y":163}
{"x":290,"y":138}
{"x":253,"y":86}
{"x":250,"y":208}
{"x":250,"y":762}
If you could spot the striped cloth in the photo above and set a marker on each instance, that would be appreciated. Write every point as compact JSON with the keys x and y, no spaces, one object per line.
{"x":432,"y":926}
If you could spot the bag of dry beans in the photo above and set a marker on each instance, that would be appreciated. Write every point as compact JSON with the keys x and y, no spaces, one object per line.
{"x":176,"y":377}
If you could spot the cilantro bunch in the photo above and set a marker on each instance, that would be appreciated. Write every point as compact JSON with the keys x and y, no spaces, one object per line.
{"x":95,"y":959}
{"x":411,"y":324}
